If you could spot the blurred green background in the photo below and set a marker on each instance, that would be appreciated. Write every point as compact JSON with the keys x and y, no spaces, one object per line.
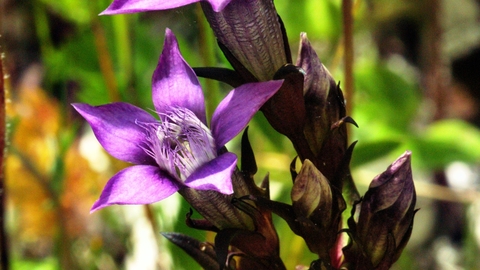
{"x":417,"y":87}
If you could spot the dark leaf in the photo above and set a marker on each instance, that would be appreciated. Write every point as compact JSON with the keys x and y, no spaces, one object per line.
{"x":203,"y":253}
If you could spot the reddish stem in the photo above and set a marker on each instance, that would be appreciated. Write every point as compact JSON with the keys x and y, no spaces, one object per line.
{"x":4,"y":259}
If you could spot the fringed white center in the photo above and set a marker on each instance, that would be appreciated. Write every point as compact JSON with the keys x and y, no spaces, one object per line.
{"x":180,"y":143}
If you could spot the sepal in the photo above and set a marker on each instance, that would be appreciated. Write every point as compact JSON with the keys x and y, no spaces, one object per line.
{"x":202,"y":252}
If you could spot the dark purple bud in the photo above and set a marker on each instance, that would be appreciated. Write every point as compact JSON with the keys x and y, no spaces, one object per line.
{"x":318,"y":210}
{"x":252,"y":37}
{"x":311,"y":191}
{"x":285,"y":110}
{"x":386,"y":217}
{"x":202,"y":252}
{"x":324,"y":105}
{"x":325,"y":116}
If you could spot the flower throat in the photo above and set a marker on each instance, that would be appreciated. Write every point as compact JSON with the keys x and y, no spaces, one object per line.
{"x":180,"y":143}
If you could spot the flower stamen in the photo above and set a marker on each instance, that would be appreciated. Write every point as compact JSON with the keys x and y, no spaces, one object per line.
{"x":180,"y":143}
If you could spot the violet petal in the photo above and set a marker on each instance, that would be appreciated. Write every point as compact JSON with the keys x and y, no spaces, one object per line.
{"x":140,"y":184}
{"x":238,"y":107}
{"x":133,"y":6}
{"x":174,"y":83}
{"x":215,"y":175}
{"x":116,"y":129}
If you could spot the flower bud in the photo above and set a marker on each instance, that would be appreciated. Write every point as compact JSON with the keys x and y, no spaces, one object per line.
{"x":386,"y":217}
{"x":325,"y":113}
{"x":252,"y":36}
{"x":317,"y":209}
{"x":323,"y":99}
{"x":311,"y":191}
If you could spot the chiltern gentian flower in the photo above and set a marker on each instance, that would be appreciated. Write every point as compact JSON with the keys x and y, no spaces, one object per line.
{"x":178,"y":150}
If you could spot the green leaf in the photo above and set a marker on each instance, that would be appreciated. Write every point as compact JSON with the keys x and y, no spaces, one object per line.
{"x":447,"y":141}
{"x":369,"y":151}
{"x":72,"y":10}
{"x":319,"y":19}
{"x":384,"y":96}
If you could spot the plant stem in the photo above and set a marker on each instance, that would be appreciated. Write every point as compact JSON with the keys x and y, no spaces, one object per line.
{"x":434,"y":69}
{"x":347,"y":7}
{"x":207,"y":54}
{"x":105,"y":60}
{"x":4,"y":259}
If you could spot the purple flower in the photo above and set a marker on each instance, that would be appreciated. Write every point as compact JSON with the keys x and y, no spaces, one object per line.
{"x":178,"y":150}
{"x":132,"y":6}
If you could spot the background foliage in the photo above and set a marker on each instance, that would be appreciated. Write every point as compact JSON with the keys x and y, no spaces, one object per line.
{"x":406,"y":97}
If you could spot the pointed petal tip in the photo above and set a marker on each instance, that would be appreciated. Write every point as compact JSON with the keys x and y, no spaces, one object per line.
{"x":218,"y":5}
{"x":115,"y":9}
{"x":174,"y":83}
{"x":97,"y":206}
{"x":303,"y":37}
{"x":404,"y":159}
{"x":79,"y":106}
{"x":105,"y":12}
{"x":407,"y":153}
{"x":169,"y":35}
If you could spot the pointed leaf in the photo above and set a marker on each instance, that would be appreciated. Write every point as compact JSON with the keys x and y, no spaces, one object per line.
{"x":225,"y":75}
{"x":249,"y":165}
{"x":203,"y":253}
{"x":222,"y":241}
